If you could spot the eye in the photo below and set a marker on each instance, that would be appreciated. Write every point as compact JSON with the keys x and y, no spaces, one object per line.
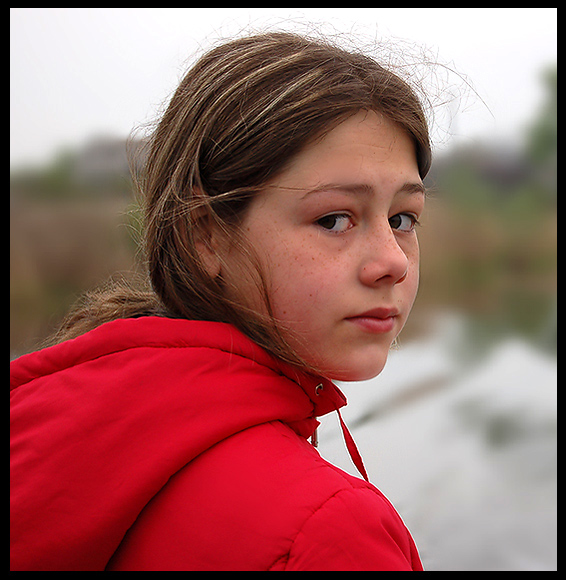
{"x":336,"y":223}
{"x":403,"y":222}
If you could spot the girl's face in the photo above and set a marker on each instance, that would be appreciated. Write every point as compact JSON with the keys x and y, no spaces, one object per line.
{"x":334,"y":233}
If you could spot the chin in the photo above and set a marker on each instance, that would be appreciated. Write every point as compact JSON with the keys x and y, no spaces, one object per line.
{"x":359,"y":371}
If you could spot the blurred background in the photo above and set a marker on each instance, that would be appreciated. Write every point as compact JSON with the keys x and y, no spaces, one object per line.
{"x":459,"y":431}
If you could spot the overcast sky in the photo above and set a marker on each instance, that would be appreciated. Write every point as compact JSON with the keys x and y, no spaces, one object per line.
{"x":76,"y":73}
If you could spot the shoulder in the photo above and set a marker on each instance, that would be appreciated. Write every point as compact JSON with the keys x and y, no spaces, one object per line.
{"x":273,"y":503}
{"x":354,"y":530}
{"x":335,"y":521}
{"x":329,"y":519}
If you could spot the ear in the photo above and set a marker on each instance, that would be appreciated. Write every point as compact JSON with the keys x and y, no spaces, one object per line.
{"x":207,"y":238}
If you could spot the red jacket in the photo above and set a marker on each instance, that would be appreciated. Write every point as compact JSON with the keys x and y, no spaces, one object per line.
{"x":160,"y":444}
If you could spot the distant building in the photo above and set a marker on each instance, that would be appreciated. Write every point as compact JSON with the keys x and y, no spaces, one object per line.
{"x":106,"y":158}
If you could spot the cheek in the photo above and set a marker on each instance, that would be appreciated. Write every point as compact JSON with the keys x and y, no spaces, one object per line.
{"x":293,"y":286}
{"x":300,"y":281}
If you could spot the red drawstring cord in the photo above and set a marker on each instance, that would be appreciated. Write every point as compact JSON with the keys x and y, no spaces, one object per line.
{"x":352,"y":449}
{"x":350,"y":443}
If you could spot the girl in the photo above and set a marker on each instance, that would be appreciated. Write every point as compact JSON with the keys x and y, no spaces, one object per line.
{"x":282,"y":188}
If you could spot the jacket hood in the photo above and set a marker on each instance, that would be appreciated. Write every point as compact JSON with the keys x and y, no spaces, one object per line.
{"x":100,"y":423}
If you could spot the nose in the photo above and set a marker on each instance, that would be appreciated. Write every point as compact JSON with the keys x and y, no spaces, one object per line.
{"x":384,"y":261}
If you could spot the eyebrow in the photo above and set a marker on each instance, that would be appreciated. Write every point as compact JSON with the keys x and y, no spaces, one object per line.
{"x":413,"y":187}
{"x":365,"y":189}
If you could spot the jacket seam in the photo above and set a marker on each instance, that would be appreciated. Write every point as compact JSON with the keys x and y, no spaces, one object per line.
{"x":287,"y":555}
{"x":284,"y":558}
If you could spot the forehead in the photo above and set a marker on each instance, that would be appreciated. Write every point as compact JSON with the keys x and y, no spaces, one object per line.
{"x":367,"y":147}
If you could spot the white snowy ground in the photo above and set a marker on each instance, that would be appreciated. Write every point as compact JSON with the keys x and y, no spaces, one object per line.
{"x":466,"y":452}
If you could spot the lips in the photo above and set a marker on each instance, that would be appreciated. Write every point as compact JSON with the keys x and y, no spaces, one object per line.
{"x":377,"y":320}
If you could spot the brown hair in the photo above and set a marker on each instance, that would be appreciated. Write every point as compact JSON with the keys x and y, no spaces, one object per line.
{"x":237,"y":118}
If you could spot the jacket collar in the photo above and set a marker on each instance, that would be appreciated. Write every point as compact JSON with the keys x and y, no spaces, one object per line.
{"x":121,"y":335}
{"x":143,"y":403}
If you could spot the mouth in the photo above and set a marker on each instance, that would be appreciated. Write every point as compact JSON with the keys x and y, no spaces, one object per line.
{"x":376,"y":321}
